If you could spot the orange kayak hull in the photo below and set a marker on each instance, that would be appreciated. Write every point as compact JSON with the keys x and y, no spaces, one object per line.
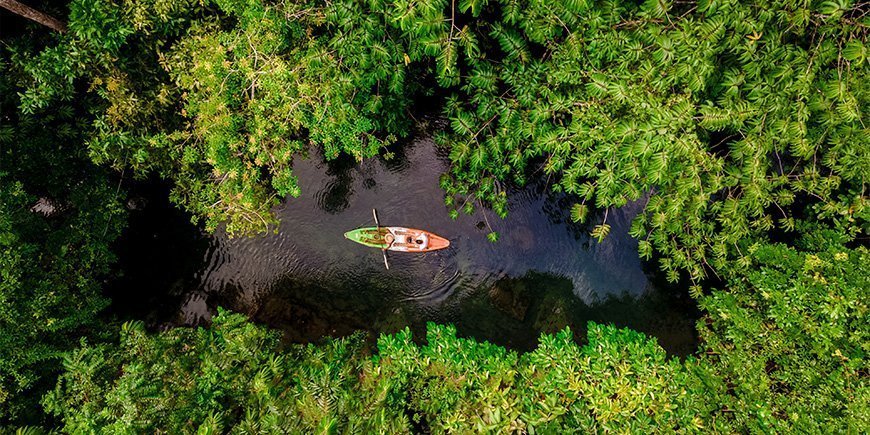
{"x":398,"y":239}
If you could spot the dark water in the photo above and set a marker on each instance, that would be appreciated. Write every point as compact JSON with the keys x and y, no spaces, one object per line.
{"x":306,"y":279}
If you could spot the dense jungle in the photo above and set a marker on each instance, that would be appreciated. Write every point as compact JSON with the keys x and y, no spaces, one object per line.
{"x":724,"y":142}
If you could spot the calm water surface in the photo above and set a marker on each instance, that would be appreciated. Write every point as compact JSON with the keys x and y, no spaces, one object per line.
{"x":544,"y":273}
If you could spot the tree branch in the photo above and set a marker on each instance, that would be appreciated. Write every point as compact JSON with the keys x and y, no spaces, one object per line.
{"x":32,"y":14}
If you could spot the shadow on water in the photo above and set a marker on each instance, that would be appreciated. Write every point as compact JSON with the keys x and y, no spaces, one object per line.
{"x":160,"y":254}
{"x":521,"y":309}
{"x":335,"y":195}
{"x":306,"y":279}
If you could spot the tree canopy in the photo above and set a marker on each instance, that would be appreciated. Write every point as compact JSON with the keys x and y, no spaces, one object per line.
{"x":738,"y":117}
{"x":58,"y":216}
{"x":742,"y":123}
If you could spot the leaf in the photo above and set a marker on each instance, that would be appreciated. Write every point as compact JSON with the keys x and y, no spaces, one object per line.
{"x":475,"y":5}
{"x":855,"y":51}
{"x":832,"y":8}
{"x":644,"y":248}
{"x":511,"y":43}
{"x":656,"y":8}
{"x":600,"y":232}
{"x":586,"y":190}
{"x":578,"y":212}
{"x":492,"y":236}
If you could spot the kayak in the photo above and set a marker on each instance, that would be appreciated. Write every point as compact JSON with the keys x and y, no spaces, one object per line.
{"x":398,"y":239}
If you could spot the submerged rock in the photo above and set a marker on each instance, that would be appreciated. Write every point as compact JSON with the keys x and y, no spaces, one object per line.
{"x":511,"y":296}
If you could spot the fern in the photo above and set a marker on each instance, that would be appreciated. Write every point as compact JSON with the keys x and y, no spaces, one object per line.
{"x":578,"y":213}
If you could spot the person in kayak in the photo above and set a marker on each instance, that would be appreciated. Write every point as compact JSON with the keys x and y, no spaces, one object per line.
{"x":389,"y":238}
{"x":423,"y":241}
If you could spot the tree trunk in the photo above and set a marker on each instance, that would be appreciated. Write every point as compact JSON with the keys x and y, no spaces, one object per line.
{"x":33,"y":14}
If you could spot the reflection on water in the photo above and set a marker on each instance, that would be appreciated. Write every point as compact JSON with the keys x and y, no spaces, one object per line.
{"x":543,"y":274}
{"x":334,"y":197}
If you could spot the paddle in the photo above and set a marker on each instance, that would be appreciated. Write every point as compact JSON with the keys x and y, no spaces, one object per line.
{"x":383,"y":250}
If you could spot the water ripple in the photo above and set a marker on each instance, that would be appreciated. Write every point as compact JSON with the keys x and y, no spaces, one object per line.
{"x":307,"y":273}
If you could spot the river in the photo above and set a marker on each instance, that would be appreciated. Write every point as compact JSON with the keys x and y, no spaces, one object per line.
{"x":305,"y":279}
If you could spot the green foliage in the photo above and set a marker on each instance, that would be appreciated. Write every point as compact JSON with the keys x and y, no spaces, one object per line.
{"x":229,"y":378}
{"x":600,"y":231}
{"x":736,"y":116}
{"x":235,"y":377}
{"x":257,"y":94}
{"x":58,"y":216}
{"x":788,"y":340}
{"x":579,"y":212}
{"x":735,"y":119}
{"x":221,"y":97}
{"x":620,"y":381}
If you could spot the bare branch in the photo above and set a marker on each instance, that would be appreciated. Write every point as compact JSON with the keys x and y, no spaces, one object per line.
{"x":32,"y":14}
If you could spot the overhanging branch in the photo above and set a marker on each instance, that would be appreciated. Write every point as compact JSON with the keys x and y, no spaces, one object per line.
{"x":32,"y":14}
